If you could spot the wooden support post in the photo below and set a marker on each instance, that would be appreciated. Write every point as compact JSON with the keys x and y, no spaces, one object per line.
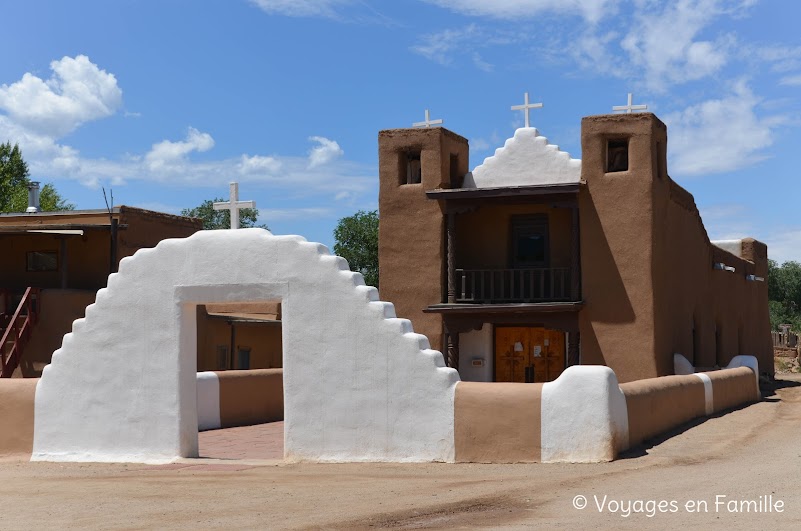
{"x":450,"y":238}
{"x":453,"y":350}
{"x":575,"y":268}
{"x":573,"y":354}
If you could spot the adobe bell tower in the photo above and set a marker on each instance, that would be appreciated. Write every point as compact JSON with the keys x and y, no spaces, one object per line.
{"x":622,"y":214}
{"x":411,"y":236}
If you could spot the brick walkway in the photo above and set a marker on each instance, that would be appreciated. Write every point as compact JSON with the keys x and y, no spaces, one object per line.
{"x":263,"y":441}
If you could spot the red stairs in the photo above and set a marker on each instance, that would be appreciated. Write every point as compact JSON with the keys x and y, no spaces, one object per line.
{"x":16,"y":329}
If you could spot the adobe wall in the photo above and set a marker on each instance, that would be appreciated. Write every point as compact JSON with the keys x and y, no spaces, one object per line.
{"x":16,"y":417}
{"x":719,"y":305}
{"x":483,"y":237}
{"x":147,"y":228}
{"x":239,"y":398}
{"x":647,"y":265}
{"x":57,"y":311}
{"x":617,"y":222}
{"x":411,"y":242}
{"x":657,"y":405}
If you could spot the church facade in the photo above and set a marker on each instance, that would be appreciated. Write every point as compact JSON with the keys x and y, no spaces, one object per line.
{"x":534,"y":261}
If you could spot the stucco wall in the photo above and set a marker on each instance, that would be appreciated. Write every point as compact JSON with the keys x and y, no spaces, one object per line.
{"x":16,"y":416}
{"x":123,"y":385}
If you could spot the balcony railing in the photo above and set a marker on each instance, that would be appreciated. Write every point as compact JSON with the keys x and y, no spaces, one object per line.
{"x":487,"y":286}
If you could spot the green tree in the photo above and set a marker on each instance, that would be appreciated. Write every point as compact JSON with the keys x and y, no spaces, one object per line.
{"x":14,"y":185}
{"x":356,"y":240}
{"x":784,"y":293}
{"x":221,"y":219}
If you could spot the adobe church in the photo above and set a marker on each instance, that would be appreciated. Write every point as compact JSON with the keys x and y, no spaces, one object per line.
{"x":533,"y":261}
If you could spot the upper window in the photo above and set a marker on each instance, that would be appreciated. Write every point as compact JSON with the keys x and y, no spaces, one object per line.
{"x":530,"y":241}
{"x":42,"y":261}
{"x":412,"y":172}
{"x":617,"y":155}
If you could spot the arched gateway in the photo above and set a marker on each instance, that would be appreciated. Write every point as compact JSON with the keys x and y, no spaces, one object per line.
{"x":359,"y":384}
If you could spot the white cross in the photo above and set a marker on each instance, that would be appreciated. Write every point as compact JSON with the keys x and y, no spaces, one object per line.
{"x":428,"y":121}
{"x":234,"y":204}
{"x":526,"y":107}
{"x":629,"y":107}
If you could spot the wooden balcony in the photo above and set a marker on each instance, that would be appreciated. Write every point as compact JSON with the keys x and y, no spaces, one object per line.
{"x":499,"y":286}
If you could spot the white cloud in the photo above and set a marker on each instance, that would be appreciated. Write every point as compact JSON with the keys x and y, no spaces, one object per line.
{"x":439,"y":46}
{"x":664,"y":44}
{"x":77,"y":92}
{"x":258,"y":164}
{"x":301,"y":8}
{"x":591,"y":10}
{"x":793,"y":81}
{"x":324,"y":153}
{"x":720,"y":134}
{"x":481,"y":64}
{"x":169,"y":156}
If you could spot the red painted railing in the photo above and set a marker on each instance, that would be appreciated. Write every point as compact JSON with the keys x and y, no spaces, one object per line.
{"x":18,"y":331}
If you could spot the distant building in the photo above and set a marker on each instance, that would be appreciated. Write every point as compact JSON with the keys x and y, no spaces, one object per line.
{"x":69,"y":256}
{"x":535,"y":261}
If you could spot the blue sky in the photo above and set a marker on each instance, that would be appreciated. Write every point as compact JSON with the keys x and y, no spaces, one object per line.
{"x":167,"y":101}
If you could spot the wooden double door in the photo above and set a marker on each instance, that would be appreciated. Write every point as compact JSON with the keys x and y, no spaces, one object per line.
{"x":539,"y":349}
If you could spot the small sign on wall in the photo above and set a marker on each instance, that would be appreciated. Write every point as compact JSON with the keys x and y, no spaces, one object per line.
{"x":478,"y":362}
{"x":537,"y":351}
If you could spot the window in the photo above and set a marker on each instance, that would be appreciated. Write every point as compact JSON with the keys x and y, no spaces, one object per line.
{"x":411,"y":170}
{"x":617,"y":155}
{"x":456,"y":177}
{"x":530,"y":241}
{"x":222,"y":357}
{"x":243,"y":358}
{"x":42,"y":261}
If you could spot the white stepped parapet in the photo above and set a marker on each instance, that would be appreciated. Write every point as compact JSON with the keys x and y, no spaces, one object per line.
{"x":524,"y":160}
{"x":359,"y":384}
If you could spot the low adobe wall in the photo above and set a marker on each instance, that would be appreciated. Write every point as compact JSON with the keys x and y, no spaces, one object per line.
{"x":239,"y":398}
{"x":656,"y":405}
{"x":580,"y":417}
{"x":17,"y":399}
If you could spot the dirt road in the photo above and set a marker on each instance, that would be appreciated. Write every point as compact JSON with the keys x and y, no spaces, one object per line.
{"x":749,"y":456}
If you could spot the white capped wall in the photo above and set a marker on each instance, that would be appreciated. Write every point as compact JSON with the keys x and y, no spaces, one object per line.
{"x":359,"y":384}
{"x":525,"y":159}
{"x":476,"y":345}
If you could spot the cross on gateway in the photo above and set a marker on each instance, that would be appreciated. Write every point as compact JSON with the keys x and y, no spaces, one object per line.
{"x":234,"y":205}
{"x":628,"y":108}
{"x":526,"y":107}
{"x":428,"y":122}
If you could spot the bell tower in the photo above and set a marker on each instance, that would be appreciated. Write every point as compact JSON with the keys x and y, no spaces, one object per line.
{"x":623,"y":208}
{"x":411,"y":236}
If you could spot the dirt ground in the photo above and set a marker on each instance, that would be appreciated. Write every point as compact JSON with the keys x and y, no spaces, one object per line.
{"x":749,"y":455}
